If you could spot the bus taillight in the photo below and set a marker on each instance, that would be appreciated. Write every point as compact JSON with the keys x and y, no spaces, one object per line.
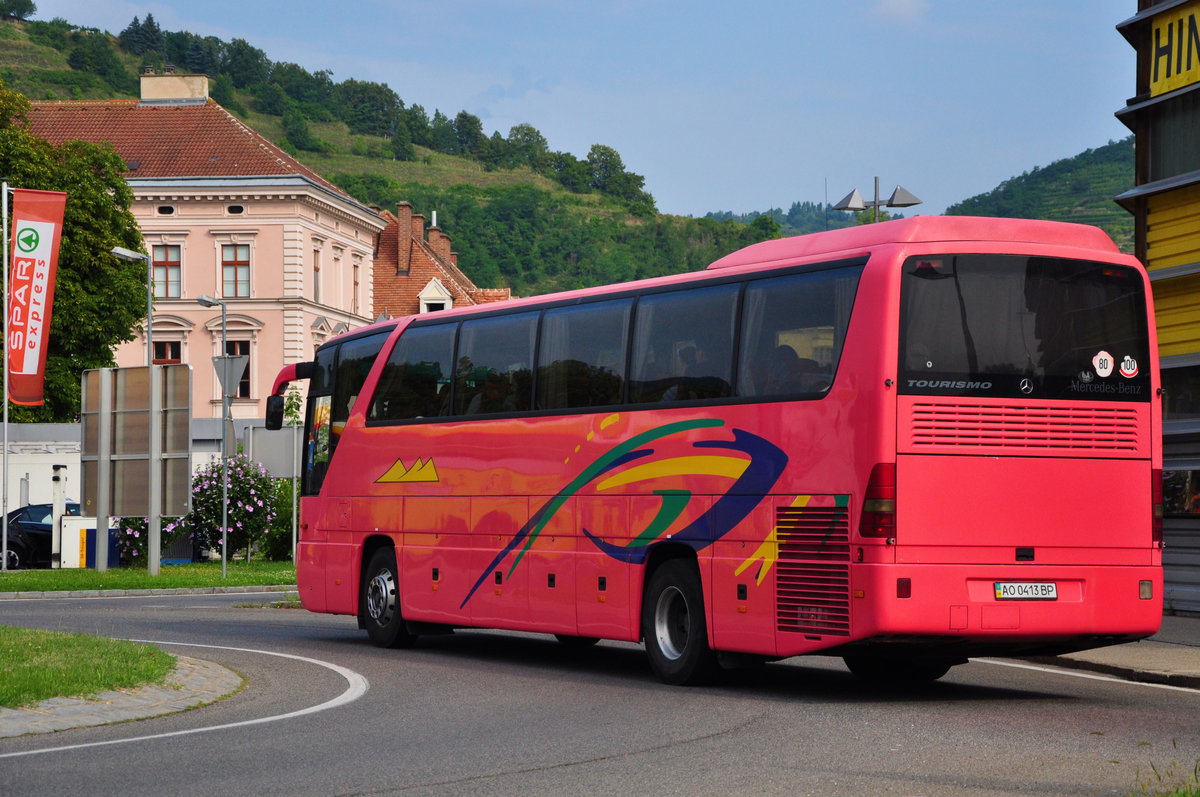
{"x":879,"y":505}
{"x":1156,"y":507}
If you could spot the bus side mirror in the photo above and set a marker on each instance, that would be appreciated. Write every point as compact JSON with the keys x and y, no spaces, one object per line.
{"x":274,"y":412}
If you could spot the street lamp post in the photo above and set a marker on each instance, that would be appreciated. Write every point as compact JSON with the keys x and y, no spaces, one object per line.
{"x":133,"y":257}
{"x":209,"y":301}
{"x":899,"y":199}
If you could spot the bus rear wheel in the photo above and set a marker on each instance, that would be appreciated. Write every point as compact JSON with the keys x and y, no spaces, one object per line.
{"x":674,"y":627}
{"x":381,"y":602}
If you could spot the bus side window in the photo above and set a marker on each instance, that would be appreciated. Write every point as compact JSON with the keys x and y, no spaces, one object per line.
{"x":582,"y":358}
{"x":683,"y":345}
{"x":494,"y":372}
{"x":419,"y":366}
{"x":793,"y":330}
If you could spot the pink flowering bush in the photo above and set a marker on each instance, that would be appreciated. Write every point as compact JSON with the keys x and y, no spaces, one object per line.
{"x":252,"y":501}
{"x":134,"y":539}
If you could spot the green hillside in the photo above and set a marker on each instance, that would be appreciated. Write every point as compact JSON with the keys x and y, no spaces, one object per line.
{"x":519,"y":213}
{"x":1078,"y":189}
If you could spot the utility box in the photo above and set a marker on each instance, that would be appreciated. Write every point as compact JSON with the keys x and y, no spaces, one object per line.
{"x":79,"y":542}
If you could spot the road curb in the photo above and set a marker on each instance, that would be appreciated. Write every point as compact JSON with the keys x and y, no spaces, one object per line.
{"x":134,"y":593}
{"x":1187,"y":681}
{"x":192,"y":684}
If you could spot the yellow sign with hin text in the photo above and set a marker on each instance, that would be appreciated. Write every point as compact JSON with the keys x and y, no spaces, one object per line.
{"x":1174,"y":49}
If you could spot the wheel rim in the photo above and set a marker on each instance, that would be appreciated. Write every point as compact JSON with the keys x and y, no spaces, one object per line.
{"x":14,"y":559}
{"x":381,"y":597}
{"x":672,"y":624}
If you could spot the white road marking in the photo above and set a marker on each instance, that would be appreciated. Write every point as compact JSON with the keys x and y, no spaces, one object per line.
{"x":356,"y":687}
{"x":1088,"y":675}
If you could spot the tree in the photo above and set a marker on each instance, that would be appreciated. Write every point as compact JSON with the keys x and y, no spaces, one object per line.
{"x":246,"y":65}
{"x":301,"y":85}
{"x":272,"y":99}
{"x":417,"y":122}
{"x":368,"y":108}
{"x":99,"y":300}
{"x":17,"y":9}
{"x":765,"y":227}
{"x":444,"y":138}
{"x":203,"y":55}
{"x":469,"y":132}
{"x":528,"y":146}
{"x":94,"y":53}
{"x":295,"y":128}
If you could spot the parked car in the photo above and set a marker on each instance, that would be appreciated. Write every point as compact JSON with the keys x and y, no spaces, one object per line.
{"x":29,"y":530}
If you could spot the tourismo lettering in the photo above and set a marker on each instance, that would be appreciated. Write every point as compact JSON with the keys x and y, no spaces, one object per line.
{"x":949,"y":384}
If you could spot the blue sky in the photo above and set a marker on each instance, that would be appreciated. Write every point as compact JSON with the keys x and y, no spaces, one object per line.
{"x":724,"y":106}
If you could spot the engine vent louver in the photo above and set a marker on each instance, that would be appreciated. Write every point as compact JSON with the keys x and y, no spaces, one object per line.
{"x":1023,"y":427}
{"x":812,"y":574}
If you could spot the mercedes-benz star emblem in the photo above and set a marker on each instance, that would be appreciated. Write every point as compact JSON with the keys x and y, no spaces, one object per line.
{"x":1026,"y":386}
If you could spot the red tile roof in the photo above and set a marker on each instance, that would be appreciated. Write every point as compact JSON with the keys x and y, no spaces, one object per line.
{"x":169,"y":140}
{"x":405,"y":262}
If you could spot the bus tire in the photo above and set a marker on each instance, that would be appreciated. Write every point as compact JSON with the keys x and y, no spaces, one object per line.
{"x":674,"y":627}
{"x":885,"y":670}
{"x":381,"y":602}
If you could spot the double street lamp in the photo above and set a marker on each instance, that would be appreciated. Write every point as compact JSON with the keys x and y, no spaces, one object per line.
{"x":899,"y":199}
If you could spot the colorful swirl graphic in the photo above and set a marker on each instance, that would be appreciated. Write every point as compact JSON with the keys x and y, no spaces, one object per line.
{"x":749,"y":482}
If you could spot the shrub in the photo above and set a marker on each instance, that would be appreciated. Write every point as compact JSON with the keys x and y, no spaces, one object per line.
{"x":251,"y":504}
{"x":134,"y":538}
{"x":277,"y":544}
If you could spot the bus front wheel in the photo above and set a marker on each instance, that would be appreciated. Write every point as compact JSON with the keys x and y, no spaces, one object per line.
{"x":381,"y":602}
{"x":674,"y":627}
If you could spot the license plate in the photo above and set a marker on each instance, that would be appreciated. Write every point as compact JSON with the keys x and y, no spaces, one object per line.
{"x":1026,"y":591}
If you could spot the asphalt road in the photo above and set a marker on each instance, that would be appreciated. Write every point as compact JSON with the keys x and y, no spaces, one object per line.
{"x":495,"y":713}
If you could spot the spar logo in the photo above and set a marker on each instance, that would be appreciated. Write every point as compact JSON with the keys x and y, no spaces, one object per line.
{"x":28,"y":239}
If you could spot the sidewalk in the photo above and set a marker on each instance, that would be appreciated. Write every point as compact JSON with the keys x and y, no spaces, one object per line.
{"x":193,"y":682}
{"x":1172,"y":656}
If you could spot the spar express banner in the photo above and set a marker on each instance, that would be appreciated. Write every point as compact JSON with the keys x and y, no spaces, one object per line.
{"x":37,"y":229}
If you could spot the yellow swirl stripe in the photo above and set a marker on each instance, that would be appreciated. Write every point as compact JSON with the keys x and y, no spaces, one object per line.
{"x":729,"y":467}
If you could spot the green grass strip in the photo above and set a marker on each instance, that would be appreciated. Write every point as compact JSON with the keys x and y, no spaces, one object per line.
{"x":39,"y":665}
{"x":191,"y":576}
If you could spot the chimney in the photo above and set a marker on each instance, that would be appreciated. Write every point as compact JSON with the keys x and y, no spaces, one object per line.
{"x":418,"y":227}
{"x":442,"y":247}
{"x":404,"y":234}
{"x":174,"y":89}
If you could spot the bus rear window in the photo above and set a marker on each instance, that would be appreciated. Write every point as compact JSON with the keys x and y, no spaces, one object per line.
{"x":1016,"y":326}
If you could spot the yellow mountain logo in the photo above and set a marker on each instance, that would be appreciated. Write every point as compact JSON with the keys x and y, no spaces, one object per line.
{"x":421,"y":471}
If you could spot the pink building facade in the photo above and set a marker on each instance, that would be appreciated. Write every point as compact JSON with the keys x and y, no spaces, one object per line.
{"x":228,"y":215}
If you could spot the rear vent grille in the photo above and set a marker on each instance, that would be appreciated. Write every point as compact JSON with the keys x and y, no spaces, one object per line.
{"x":1020,"y":426}
{"x":812,"y":575}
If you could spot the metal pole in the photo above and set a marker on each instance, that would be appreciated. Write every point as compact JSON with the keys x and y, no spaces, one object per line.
{"x":296,"y":433}
{"x":154,"y":499}
{"x":224,"y":453}
{"x":4,"y":499}
{"x":104,"y":468}
{"x":149,"y":310}
{"x":155,"y":461}
{"x":877,"y":198}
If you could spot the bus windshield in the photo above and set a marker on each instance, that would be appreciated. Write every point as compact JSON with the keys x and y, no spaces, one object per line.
{"x":1010,"y":326}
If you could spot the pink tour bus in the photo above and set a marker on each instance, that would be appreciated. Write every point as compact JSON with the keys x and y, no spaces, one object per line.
{"x":903,"y":444}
